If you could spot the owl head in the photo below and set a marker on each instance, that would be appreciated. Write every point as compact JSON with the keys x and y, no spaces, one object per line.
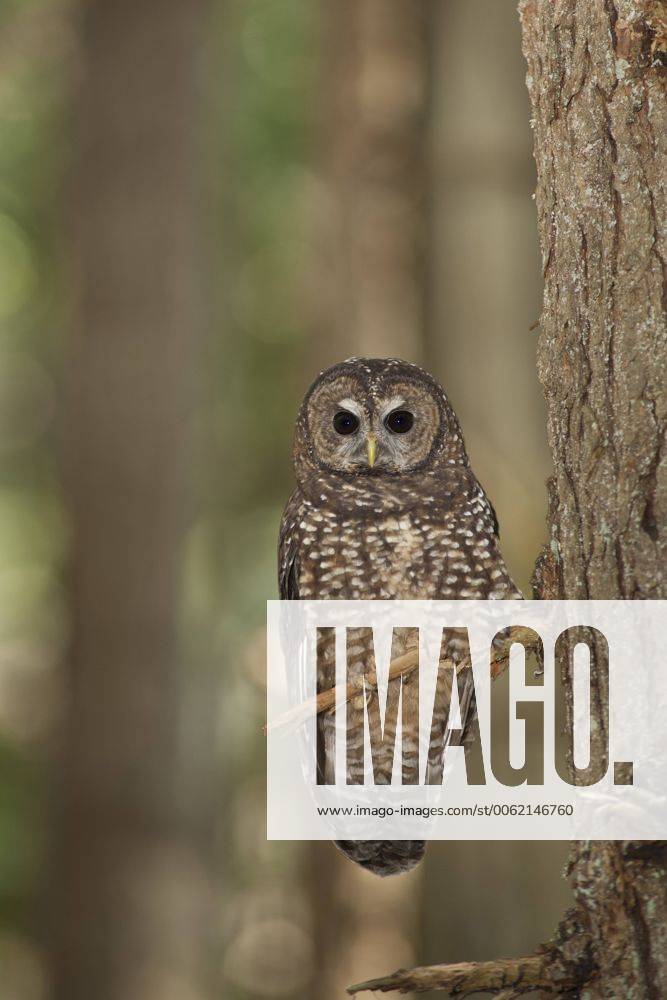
{"x":376,"y":417}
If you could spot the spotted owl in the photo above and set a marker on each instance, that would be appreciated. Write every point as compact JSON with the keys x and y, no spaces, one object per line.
{"x":386,"y":507}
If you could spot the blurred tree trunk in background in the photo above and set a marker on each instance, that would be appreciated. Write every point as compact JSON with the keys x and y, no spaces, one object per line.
{"x":597,"y":83}
{"x":368,"y":288}
{"x":130,"y":897}
{"x":485,"y":258}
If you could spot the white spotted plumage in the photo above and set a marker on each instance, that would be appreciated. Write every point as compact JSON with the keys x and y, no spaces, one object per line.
{"x":417,"y":526}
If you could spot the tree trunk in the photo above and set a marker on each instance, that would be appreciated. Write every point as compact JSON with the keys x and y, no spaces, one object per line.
{"x":369,"y":289}
{"x":597,"y":86}
{"x":129,"y":898}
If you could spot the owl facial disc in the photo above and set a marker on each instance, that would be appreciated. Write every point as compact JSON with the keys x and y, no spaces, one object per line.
{"x":377,"y":418}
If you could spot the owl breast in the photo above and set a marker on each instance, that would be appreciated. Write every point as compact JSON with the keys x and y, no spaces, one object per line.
{"x":357,"y":559}
{"x":407,"y":556}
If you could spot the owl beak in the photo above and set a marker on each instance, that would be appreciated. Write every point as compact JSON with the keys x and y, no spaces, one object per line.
{"x":372,"y":445}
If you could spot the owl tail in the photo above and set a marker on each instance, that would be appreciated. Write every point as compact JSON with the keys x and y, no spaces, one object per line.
{"x":384,"y":857}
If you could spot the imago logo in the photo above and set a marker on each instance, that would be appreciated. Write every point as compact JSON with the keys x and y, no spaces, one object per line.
{"x":367,"y":723}
{"x":483,"y":719}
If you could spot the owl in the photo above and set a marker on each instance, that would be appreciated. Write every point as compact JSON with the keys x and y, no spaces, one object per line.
{"x":386,"y":507}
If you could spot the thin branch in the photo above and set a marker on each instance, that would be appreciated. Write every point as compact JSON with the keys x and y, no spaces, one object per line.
{"x":399,"y":667}
{"x":504,"y":978}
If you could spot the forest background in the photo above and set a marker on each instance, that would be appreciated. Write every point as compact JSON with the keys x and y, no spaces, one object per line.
{"x":201,"y":206}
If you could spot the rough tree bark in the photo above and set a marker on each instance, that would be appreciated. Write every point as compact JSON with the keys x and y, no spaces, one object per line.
{"x":596,"y":77}
{"x":597,"y":84}
{"x":129,"y":900}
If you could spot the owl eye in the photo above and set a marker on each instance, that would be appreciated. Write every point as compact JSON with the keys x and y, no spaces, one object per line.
{"x":399,"y":421}
{"x":345,"y":422}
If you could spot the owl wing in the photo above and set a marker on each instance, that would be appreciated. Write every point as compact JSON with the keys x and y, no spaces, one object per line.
{"x":288,"y":590}
{"x":289,"y":545}
{"x":494,"y":516}
{"x":288,"y":550}
{"x":502,"y":586}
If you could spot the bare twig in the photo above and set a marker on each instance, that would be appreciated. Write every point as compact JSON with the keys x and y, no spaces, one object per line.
{"x":399,"y":667}
{"x":504,"y":978}
{"x":549,"y":971}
